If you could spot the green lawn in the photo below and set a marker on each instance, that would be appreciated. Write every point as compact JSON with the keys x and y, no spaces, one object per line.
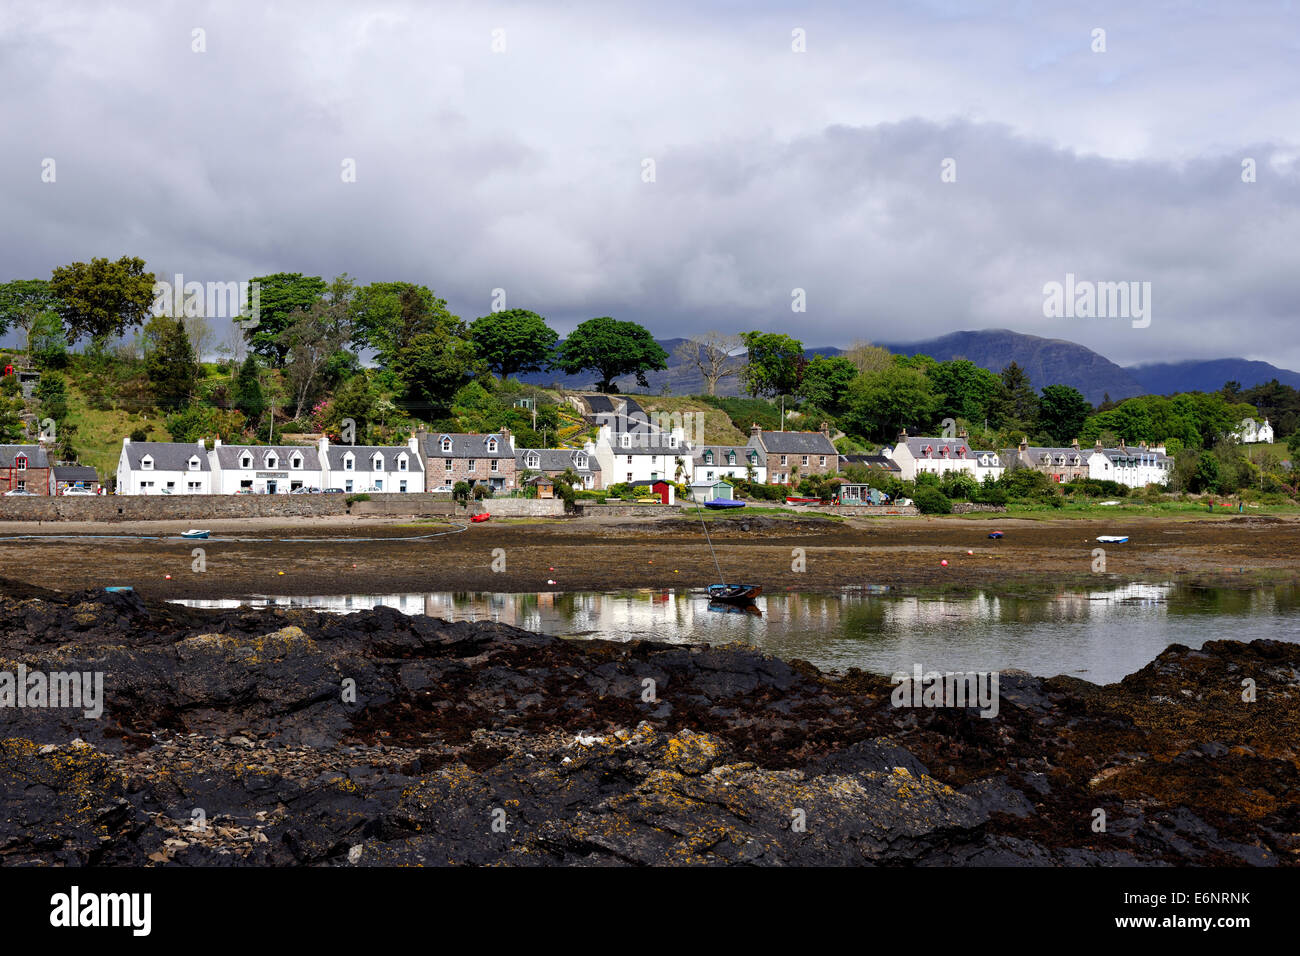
{"x":99,"y":435}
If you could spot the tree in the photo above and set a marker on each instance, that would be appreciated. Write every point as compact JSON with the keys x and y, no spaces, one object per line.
{"x":882,"y":403}
{"x":47,"y":343}
{"x":867,"y":358}
{"x":386,"y":316}
{"x":1207,"y":476}
{"x":247,"y":394}
{"x":24,"y":302}
{"x":169,"y":362}
{"x":611,"y":349}
{"x":460,"y":492}
{"x":1015,"y":406}
{"x":964,"y":389}
{"x":51,"y":391}
{"x":774,"y":365}
{"x":282,"y":298}
{"x":826,"y":381}
{"x":513,"y":341}
{"x":313,"y":342}
{"x":713,"y":354}
{"x":1062,"y":411}
{"x":432,"y":367}
{"x":102,"y":299}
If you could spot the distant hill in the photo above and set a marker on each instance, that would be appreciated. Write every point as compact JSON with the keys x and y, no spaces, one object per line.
{"x":1047,"y":362}
{"x":1164,"y":378}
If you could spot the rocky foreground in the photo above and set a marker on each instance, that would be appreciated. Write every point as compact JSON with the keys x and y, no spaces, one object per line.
{"x":234,"y":737}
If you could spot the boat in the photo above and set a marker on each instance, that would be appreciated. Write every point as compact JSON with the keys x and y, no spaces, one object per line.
{"x":195,"y":533}
{"x":718,"y":504}
{"x":120,"y":589}
{"x":801,"y":501}
{"x":480,"y":517}
{"x":995,"y":534}
{"x":735,"y":593}
{"x":1112,"y":539}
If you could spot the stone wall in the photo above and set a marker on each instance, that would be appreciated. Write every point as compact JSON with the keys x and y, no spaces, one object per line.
{"x":524,"y":507}
{"x":197,"y":508}
{"x":591,"y":509}
{"x":969,"y":507}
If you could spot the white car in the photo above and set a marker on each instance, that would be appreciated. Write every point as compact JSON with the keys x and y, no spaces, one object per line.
{"x":19,"y":493}
{"x":78,"y":491}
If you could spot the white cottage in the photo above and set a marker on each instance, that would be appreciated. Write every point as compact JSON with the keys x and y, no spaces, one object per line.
{"x":380,"y":468}
{"x":164,"y":468}
{"x":265,"y":469}
{"x":1252,"y":432}
{"x":1133,"y":467}
{"x":638,"y":451}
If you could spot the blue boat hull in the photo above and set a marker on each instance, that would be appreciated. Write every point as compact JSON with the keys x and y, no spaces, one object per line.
{"x":720,"y":503}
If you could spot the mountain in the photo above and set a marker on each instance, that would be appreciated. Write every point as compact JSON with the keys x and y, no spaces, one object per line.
{"x":1164,"y":378}
{"x":1046,"y":361}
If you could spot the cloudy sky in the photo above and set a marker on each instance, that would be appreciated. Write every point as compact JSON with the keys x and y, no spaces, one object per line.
{"x":525,"y":168}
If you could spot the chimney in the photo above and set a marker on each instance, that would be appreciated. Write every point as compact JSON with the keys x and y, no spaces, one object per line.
{"x":1074,"y":443}
{"x":902,"y":435}
{"x":755,"y":430}
{"x":421,"y":436}
{"x":507,"y":438}
{"x":1024,"y":443}
{"x":413,"y":443}
{"x":825,"y":429}
{"x":961,"y":433}
{"x":126,"y":441}
{"x":1122,"y":447}
{"x":216,"y":443}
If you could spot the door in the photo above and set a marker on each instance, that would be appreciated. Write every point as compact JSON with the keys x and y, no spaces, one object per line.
{"x":270,"y":487}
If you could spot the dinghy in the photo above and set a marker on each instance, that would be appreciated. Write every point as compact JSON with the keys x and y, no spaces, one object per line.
{"x":195,"y":533}
{"x":724,"y":593}
{"x":1112,"y":539}
{"x":719,"y":503}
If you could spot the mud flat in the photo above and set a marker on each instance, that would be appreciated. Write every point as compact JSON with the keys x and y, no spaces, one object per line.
{"x":611,"y":553}
{"x":231,"y":737}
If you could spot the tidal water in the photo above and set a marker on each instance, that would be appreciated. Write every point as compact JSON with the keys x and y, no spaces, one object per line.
{"x":1099,"y":635}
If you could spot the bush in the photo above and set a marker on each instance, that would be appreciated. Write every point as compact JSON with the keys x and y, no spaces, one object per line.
{"x":353,"y":499}
{"x":959,"y":484}
{"x":482,"y":491}
{"x":932,"y":501}
{"x":991,"y":494}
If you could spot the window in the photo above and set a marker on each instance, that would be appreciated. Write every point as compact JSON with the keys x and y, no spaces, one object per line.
{"x":245,"y":460}
{"x":492,"y":445}
{"x":446,"y":444}
{"x":731,"y":458}
{"x":446,"y":465}
{"x":401,"y":463}
{"x":821,"y":460}
{"x":271,"y":460}
{"x":377,"y":463}
{"x":347,"y":485}
{"x":580,"y":461}
{"x":401,"y":487}
{"x":625,"y":441}
{"x":672,"y":441}
{"x":532,"y":460}
{"x":296,"y":461}
{"x":495,"y":462}
{"x":708,"y":457}
{"x":783,"y":459}
{"x":629,"y":476}
{"x":629,"y":459}
{"x":146,"y":463}
{"x":348,"y":462}
{"x":194,"y":487}
{"x":171,"y":484}
{"x":22,"y":484}
{"x":469,"y":465}
{"x":379,"y":484}
{"x":21,"y":462}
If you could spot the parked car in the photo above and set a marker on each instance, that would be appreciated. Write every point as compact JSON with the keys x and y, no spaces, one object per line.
{"x":19,"y":493}
{"x":78,"y":491}
{"x":332,"y":491}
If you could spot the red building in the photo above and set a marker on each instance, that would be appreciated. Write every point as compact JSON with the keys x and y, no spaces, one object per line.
{"x":24,"y":468}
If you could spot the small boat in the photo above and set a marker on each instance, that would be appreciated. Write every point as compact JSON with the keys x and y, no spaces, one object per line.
{"x":801,"y":501}
{"x":735,"y":593}
{"x":195,"y":533}
{"x":480,"y":517}
{"x":718,"y":504}
{"x":1112,"y":539}
{"x":120,"y":589}
{"x":995,"y":534}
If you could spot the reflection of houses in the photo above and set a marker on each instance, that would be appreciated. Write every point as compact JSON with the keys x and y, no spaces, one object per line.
{"x":1134,"y":467}
{"x":265,"y":469}
{"x":918,"y":454}
{"x":1251,"y":432}
{"x":24,"y":468}
{"x":711,"y":462}
{"x":554,"y":462}
{"x":475,"y":459}
{"x":163,"y":468}
{"x":795,"y":455}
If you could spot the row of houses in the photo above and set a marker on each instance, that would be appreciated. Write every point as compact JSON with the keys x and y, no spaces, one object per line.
{"x":28,"y":469}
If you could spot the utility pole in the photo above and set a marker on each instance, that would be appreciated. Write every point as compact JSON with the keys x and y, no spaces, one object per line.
{"x":272,"y":439}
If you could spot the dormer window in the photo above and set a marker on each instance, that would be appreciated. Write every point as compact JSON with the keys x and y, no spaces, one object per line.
{"x":626,"y":441}
{"x":271,"y":460}
{"x":708,"y":457}
{"x":672,"y":441}
{"x":194,"y":463}
{"x":533,"y":460}
{"x":446,"y":443}
{"x":245,"y":460}
{"x":20,"y":462}
{"x":731,"y":458}
{"x":491,"y":445}
{"x":348,"y":462}
{"x":401,"y":462}
{"x":580,"y":461}
{"x":146,"y":463}
{"x":295,"y":461}
{"x":377,"y":463}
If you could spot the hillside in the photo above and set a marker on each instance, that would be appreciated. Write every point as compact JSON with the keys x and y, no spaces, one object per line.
{"x":1165,"y":378}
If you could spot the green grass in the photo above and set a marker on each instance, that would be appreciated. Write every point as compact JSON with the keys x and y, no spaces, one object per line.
{"x":99,"y":434}
{"x":1130,"y":508}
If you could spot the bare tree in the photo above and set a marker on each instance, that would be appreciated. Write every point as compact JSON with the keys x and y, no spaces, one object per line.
{"x":712,"y":353}
{"x":869,"y":358}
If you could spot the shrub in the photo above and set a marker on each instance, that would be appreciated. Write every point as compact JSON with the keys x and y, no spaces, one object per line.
{"x":932,"y":501}
{"x":959,"y":484}
{"x":353,"y":499}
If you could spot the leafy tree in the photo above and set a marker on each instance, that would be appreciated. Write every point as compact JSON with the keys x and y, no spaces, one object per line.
{"x":51,"y":391}
{"x":1015,"y":407}
{"x":432,"y":367}
{"x":23,"y":302}
{"x":282,"y":298}
{"x":386,"y":316}
{"x":868,"y":358}
{"x":247,"y":395}
{"x":513,"y":341}
{"x":1207,"y":476}
{"x":102,"y":299}
{"x":611,"y":349}
{"x":460,"y":492}
{"x":932,"y":501}
{"x":884,"y":402}
{"x":964,"y":390}
{"x":170,"y":363}
{"x":47,"y":342}
{"x":775,"y":364}
{"x":313,"y":345}
{"x":826,"y":381}
{"x":204,"y":421}
{"x":1062,"y":411}
{"x":713,"y":355}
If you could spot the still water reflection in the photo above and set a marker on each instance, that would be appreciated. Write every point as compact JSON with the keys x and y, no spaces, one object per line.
{"x":1099,"y":635}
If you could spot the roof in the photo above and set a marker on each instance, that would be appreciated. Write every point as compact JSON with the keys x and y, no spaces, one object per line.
{"x":466,"y":445}
{"x":75,"y":473}
{"x":557,"y":459}
{"x":609,"y":404}
{"x":228,"y":455}
{"x":166,"y":455}
{"x":720,"y":453}
{"x":647,"y":482}
{"x":958,"y":449}
{"x":795,"y":443}
{"x":36,"y":457}
{"x":1139,"y":452}
{"x":336,"y":453}
{"x":871,"y":461}
{"x":713,"y":484}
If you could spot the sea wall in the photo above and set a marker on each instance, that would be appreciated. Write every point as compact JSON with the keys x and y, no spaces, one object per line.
{"x":199,"y":507}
